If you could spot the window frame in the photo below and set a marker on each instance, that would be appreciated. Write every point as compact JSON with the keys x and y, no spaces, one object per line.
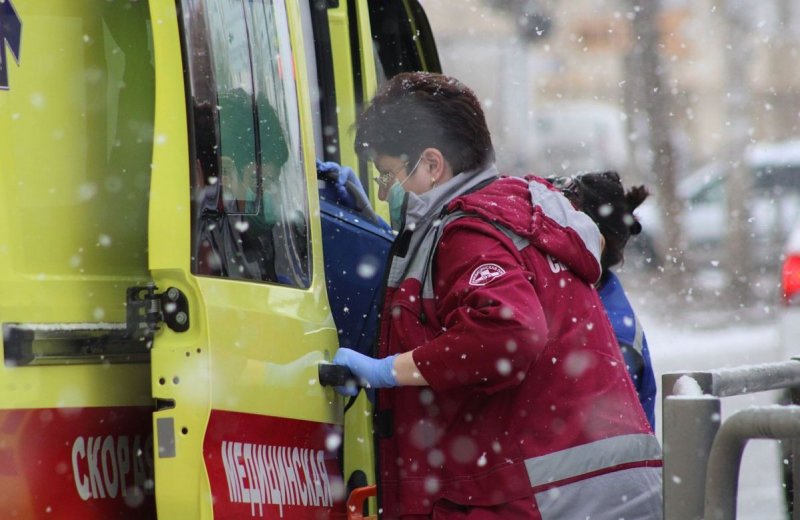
{"x":204,"y":132}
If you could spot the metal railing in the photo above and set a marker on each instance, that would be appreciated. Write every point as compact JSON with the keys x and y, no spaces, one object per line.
{"x":702,"y":453}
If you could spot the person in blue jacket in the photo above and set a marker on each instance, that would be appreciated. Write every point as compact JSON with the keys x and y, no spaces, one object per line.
{"x":602,"y":196}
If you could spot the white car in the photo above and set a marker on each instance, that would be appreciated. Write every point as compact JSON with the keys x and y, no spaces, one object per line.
{"x":773,"y":205}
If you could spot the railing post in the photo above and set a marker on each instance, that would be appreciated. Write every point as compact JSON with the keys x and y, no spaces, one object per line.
{"x":794,"y":463}
{"x":722,"y":479}
{"x":691,"y":422}
{"x":689,"y":427}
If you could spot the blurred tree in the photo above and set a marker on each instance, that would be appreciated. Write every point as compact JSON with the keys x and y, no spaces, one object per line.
{"x":646,"y":96}
{"x":784,"y":72}
{"x":738,"y":57}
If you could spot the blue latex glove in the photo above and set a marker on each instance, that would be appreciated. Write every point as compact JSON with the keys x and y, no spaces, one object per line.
{"x":368,"y":371}
{"x":345,"y":174}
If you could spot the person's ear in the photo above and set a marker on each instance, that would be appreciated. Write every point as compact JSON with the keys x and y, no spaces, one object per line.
{"x":433,"y":164}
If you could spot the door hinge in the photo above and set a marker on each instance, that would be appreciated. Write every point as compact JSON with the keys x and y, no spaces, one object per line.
{"x":147,"y":309}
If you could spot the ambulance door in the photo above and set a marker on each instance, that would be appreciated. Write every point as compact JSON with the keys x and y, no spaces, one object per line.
{"x":243,"y":429}
{"x":372,"y":41}
{"x":347,"y":55}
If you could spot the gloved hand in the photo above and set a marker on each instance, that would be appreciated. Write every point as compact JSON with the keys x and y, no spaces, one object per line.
{"x":368,"y":371}
{"x":344,"y":174}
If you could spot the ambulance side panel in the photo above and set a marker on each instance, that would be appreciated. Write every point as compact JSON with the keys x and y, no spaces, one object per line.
{"x":76,"y":121}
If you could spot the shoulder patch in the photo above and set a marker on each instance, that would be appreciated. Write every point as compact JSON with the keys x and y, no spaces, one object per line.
{"x":485,"y":274}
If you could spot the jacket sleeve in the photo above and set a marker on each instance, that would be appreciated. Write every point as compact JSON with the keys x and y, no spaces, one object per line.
{"x":494,"y":326}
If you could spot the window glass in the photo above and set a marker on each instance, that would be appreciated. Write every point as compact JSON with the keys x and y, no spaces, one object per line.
{"x":402,"y":38}
{"x":393,"y":38}
{"x":322,"y":84}
{"x":284,"y":200}
{"x":237,"y":142}
{"x":252,"y":216}
{"x":777,"y":180}
{"x":713,"y":192}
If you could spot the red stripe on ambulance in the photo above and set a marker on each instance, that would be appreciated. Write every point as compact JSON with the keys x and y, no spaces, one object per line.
{"x":113,"y":466}
{"x":90,"y":463}
{"x":267,"y":467}
{"x":259,"y":474}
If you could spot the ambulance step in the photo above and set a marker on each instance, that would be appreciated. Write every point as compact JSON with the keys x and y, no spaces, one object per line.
{"x":356,"y":501}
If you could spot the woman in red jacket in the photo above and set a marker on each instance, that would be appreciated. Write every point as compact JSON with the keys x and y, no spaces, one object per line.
{"x":503,"y":393}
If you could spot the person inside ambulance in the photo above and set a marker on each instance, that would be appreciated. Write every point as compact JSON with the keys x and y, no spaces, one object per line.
{"x":237,"y":224}
{"x":501,"y":390}
{"x":241,"y":178}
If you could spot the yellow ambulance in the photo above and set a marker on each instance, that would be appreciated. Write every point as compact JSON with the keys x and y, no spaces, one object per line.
{"x":162,"y":285}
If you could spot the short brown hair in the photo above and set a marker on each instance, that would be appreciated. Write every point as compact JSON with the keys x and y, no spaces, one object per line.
{"x":417,"y":110}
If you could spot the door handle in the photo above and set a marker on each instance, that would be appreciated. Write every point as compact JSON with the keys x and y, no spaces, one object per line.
{"x":331,"y":374}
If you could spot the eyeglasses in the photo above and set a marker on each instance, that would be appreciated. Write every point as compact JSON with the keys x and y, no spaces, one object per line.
{"x":384,"y":179}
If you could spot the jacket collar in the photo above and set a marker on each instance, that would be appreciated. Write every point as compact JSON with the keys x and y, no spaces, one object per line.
{"x":420,"y":208}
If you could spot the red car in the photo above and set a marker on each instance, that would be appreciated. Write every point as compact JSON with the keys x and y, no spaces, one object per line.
{"x":790,"y":295}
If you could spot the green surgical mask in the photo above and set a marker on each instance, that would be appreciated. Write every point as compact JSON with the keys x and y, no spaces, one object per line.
{"x":396,"y":198}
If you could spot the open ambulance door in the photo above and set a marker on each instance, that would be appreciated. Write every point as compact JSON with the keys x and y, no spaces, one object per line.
{"x":242,"y":429}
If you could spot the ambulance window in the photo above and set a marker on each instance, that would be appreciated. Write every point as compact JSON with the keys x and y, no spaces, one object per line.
{"x":285,"y":197}
{"x":249,"y":195}
{"x":319,"y":62}
{"x":402,"y":35}
{"x":237,"y":143}
{"x":311,"y":71}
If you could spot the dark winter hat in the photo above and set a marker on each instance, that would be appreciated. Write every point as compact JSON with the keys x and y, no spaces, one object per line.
{"x":602,"y":196}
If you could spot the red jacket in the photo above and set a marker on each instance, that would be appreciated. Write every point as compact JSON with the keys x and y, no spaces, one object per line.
{"x":525,"y":374}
